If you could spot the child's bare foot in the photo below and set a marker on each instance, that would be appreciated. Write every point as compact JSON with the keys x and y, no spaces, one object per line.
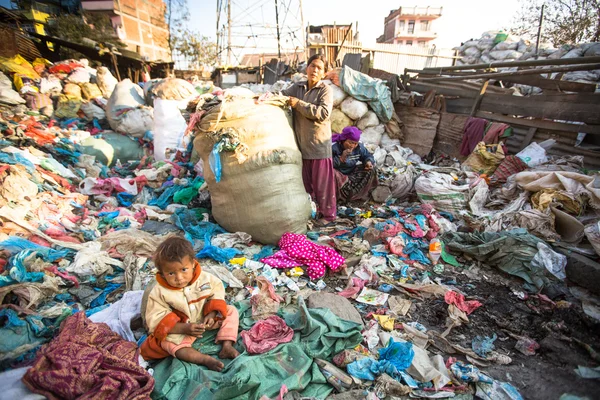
{"x":228,"y":351}
{"x":194,"y":356}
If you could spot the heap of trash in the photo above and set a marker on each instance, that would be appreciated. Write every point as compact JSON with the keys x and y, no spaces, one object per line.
{"x":452,"y":276}
{"x":500,"y":47}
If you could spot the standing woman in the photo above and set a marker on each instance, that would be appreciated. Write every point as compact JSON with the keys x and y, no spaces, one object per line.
{"x":312,"y":101}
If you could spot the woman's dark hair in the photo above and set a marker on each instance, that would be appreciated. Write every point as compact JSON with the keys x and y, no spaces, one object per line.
{"x":319,"y":57}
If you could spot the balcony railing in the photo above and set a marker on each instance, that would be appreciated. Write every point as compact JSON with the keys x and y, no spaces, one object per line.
{"x":420,"y":11}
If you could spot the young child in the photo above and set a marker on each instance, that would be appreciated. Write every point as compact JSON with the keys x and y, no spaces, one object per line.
{"x":184,"y":303}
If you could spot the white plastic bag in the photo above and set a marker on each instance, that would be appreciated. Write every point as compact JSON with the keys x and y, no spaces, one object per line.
{"x":368,"y":120}
{"x":92,"y":111}
{"x":353,"y":108}
{"x":106,"y":81}
{"x":373,"y":135}
{"x":125,"y":111}
{"x":79,"y":75}
{"x":533,"y":155}
{"x":388,"y":143}
{"x":547,"y":258}
{"x":169,"y":127}
{"x":338,"y":94}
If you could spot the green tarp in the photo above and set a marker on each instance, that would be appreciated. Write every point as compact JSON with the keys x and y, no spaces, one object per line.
{"x":318,"y":333}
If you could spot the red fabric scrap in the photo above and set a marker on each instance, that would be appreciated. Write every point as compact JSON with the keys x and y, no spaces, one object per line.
{"x":267,"y":334}
{"x":452,"y":297}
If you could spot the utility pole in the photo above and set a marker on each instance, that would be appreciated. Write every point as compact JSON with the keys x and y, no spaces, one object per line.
{"x":218,"y":20}
{"x":278,"y":37}
{"x":304,"y":33}
{"x":228,"y":32}
{"x":539,"y":35}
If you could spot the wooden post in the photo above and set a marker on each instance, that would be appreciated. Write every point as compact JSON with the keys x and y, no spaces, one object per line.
{"x":115,"y":66}
{"x":528,"y":137}
{"x":479,"y":97}
{"x":534,"y":71}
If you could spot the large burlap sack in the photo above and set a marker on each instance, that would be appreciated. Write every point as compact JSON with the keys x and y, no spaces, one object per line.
{"x":339,"y":121}
{"x":125,"y":110}
{"x":260,"y":191}
{"x":170,"y":89}
{"x":368,"y":120}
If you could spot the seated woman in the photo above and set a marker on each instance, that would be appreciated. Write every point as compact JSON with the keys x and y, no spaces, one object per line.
{"x":353,"y":182}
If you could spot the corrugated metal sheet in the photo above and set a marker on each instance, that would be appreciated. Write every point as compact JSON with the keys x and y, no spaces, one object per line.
{"x":414,"y":57}
{"x":450,"y":133}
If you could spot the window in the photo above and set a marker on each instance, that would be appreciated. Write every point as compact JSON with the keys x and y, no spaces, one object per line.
{"x":422,"y":43}
{"x":409,"y":42}
{"x":399,"y":27}
{"x":411,"y":26}
{"x":424,"y":26}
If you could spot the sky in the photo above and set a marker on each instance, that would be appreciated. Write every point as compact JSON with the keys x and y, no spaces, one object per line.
{"x":461,"y":19}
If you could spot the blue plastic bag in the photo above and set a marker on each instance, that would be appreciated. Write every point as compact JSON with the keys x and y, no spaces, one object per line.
{"x":400,"y":354}
{"x":214,"y":159}
{"x":369,"y":369}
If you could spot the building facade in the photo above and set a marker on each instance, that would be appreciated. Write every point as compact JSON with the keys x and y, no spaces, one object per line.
{"x":140,"y":24}
{"x":412,"y":26}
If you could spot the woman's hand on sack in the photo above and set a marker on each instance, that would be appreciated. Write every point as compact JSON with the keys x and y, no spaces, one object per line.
{"x":368,"y":166}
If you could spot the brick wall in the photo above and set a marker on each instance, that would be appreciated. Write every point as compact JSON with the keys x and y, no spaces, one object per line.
{"x":145,"y":27}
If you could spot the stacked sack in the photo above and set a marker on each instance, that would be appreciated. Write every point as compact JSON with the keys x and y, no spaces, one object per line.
{"x":498,"y":47}
{"x":364,"y":102}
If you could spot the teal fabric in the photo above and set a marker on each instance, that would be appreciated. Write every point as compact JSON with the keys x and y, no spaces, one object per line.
{"x":111,"y":147}
{"x":364,"y":88}
{"x":511,"y":252}
{"x":318,"y":333}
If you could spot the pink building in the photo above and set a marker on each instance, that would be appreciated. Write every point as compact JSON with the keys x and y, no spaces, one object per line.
{"x":412,"y":26}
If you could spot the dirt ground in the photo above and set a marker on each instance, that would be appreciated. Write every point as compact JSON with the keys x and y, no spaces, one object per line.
{"x":556,"y":325}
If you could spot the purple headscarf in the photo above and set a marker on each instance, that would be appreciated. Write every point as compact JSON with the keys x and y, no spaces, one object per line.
{"x":349,"y":132}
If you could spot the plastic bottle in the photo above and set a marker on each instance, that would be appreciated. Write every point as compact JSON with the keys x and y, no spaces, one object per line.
{"x":435,"y":250}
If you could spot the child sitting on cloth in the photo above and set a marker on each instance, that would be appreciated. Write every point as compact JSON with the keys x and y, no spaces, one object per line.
{"x":183,"y":304}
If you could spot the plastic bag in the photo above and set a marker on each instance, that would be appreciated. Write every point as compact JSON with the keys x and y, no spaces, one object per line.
{"x":547,"y":258}
{"x":338,"y":94}
{"x":387,"y":142}
{"x":372,"y":136}
{"x":67,"y":106}
{"x":533,"y":155}
{"x":170,"y":89}
{"x":214,"y":160}
{"x":169,"y":127}
{"x":266,"y":302}
{"x":73,"y":90}
{"x":440,"y":191}
{"x":35,"y":100}
{"x":339,"y":121}
{"x":79,"y":75}
{"x":125,"y":111}
{"x":592,"y":232}
{"x":92,"y":111}
{"x":106,"y":82}
{"x":50,"y":84}
{"x":90,"y":91}
{"x":10,"y":97}
{"x":368,"y":120}
{"x":485,"y":158}
{"x":353,"y":108}
{"x":400,"y":354}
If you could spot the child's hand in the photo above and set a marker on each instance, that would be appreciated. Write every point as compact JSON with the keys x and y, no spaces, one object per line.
{"x":209,"y":320}
{"x":195,"y":330}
